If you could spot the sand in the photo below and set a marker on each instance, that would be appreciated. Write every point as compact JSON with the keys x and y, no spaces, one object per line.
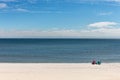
{"x":59,"y":71}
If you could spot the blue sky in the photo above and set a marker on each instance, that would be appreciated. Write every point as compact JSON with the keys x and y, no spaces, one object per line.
{"x":60,"y":18}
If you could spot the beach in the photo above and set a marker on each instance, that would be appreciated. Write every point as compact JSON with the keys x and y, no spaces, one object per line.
{"x":59,"y":71}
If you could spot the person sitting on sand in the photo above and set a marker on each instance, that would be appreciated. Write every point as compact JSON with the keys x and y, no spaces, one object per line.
{"x":93,"y":62}
{"x":98,"y":62}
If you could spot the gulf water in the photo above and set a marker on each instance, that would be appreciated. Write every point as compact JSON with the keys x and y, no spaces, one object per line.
{"x":59,"y":50}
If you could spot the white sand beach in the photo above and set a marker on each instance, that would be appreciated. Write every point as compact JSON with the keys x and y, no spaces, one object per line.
{"x":59,"y":71}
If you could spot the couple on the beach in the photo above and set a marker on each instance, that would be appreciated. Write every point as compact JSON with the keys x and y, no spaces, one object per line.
{"x":96,"y":62}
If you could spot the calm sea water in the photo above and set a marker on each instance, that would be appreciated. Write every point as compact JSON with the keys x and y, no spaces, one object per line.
{"x":59,"y":50}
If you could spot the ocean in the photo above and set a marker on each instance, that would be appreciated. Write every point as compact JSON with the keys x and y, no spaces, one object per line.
{"x":59,"y":50}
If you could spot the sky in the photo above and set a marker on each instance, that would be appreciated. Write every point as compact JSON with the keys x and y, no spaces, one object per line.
{"x":59,"y":18}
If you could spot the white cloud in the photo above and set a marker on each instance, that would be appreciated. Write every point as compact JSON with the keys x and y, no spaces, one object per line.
{"x":22,"y":10}
{"x":32,"y":1}
{"x":3,"y":5}
{"x":105,"y":2}
{"x":103,"y":24}
{"x":113,"y":0}
{"x":7,"y":0}
{"x":100,"y":32}
{"x":95,"y":33}
{"x":97,"y":0}
{"x":105,"y":13}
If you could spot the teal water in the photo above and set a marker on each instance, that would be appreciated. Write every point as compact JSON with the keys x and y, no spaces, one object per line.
{"x":59,"y":50}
